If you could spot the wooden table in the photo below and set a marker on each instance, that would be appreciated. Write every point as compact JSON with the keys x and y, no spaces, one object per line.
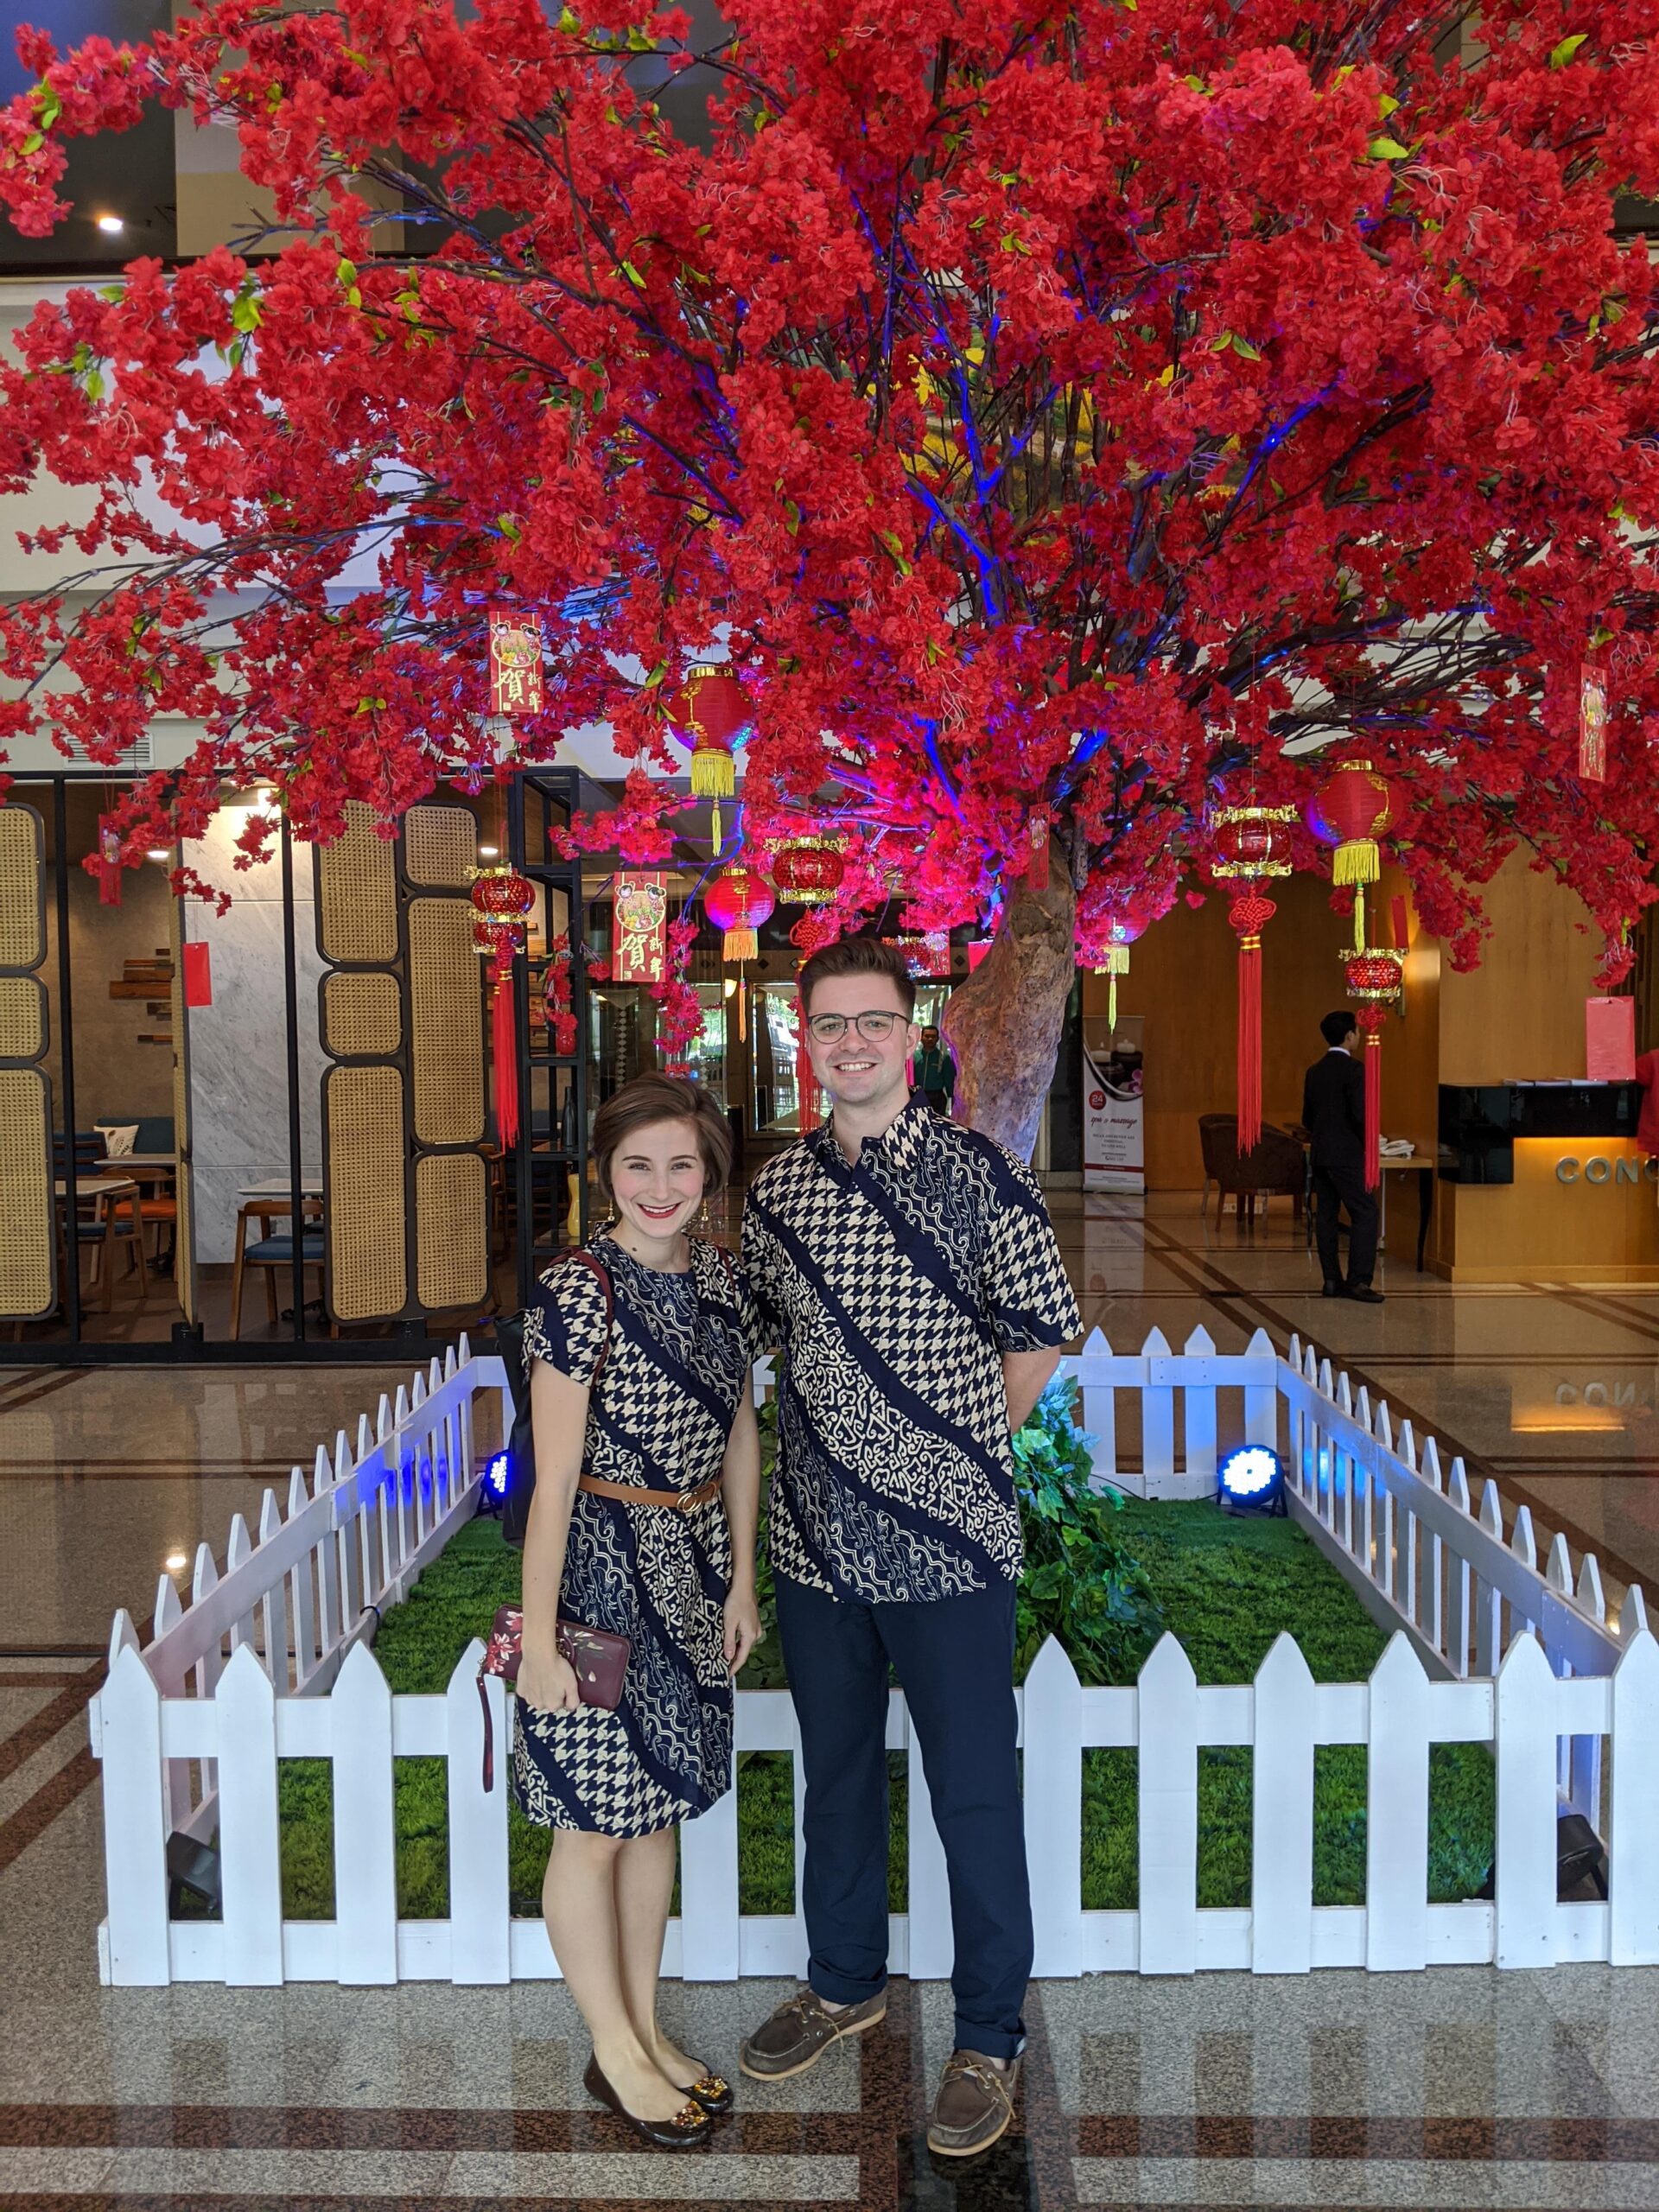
{"x":1421,"y":1164}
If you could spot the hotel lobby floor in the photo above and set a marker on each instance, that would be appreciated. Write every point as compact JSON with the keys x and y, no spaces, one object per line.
{"x":1464,"y":2087}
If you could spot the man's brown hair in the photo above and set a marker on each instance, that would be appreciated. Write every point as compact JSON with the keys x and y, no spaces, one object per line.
{"x":649,"y":1099}
{"x":858,"y":955}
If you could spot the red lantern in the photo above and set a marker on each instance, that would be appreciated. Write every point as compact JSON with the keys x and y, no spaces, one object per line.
{"x":1252,"y":842}
{"x":709,"y":713}
{"x":501,"y":900}
{"x":1352,"y":808}
{"x":737,"y":902}
{"x":1375,"y":976}
{"x":809,"y":871}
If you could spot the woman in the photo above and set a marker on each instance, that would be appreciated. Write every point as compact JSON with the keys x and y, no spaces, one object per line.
{"x":665,"y":1319}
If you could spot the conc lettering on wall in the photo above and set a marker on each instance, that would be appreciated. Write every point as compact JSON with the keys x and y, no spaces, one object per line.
{"x":1599,"y":1169}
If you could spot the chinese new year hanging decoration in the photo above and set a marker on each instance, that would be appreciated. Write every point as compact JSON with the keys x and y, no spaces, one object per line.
{"x":1352,"y":810}
{"x":1592,"y":726}
{"x":502,"y":900}
{"x":812,"y":932}
{"x":109,"y":865}
{"x":557,"y":998}
{"x":708,"y":715}
{"x":1374,"y":976}
{"x":1039,"y":824}
{"x":639,"y":904}
{"x":737,"y":902}
{"x":809,"y":871}
{"x":1251,"y":844}
{"x":1120,"y":937}
{"x":515,"y":664}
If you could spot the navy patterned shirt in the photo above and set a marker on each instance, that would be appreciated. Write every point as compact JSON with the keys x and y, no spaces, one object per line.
{"x":895,"y":1287}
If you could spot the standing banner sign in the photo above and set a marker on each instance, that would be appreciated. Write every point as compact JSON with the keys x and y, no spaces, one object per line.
{"x":1114,"y":1125}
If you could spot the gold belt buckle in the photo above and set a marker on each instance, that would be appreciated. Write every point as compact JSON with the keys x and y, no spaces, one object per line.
{"x":683,"y":1504}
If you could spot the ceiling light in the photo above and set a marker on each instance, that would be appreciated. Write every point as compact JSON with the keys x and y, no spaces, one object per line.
{"x":160,"y":853}
{"x":175,"y":1562}
{"x":112,"y":224}
{"x":489,"y":852}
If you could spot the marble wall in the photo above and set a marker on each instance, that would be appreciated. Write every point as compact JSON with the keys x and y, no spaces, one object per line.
{"x":238,"y":1045}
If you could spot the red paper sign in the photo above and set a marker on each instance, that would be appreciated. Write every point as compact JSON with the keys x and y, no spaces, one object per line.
{"x":1037,"y":827}
{"x":515,"y":665}
{"x":1610,"y":1041}
{"x":640,"y":905}
{"x":1592,"y":727}
{"x":198,"y":976}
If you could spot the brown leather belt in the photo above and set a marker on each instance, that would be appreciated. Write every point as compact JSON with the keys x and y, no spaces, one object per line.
{"x":681,"y":1501}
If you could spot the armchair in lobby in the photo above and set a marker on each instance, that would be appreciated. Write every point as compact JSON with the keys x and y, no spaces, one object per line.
{"x":1275,"y":1168}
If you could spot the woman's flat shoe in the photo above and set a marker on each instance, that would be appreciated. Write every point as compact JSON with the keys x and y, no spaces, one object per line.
{"x":691,"y":2126}
{"x":714,"y":2093}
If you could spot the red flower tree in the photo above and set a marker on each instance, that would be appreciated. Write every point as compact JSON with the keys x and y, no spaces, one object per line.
{"x":1082,"y":413}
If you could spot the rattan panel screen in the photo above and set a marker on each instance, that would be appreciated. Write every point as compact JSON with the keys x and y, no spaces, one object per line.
{"x":446,"y":1024}
{"x":440,"y":848}
{"x":357,"y":892}
{"x":452,"y":1229}
{"x":27,"y":1287}
{"x":22,"y":889}
{"x":23,"y":1018}
{"x":362,"y":1015}
{"x":362,"y":1128}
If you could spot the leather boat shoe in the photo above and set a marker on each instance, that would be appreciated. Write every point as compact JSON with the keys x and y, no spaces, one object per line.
{"x":975,"y":2105}
{"x":801,"y":2030}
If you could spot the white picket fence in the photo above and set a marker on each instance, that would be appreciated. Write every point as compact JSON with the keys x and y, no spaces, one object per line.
{"x":245,"y":1728}
{"x":269,"y":1660}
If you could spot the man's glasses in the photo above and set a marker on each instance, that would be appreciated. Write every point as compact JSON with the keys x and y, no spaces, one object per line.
{"x":827,"y":1028}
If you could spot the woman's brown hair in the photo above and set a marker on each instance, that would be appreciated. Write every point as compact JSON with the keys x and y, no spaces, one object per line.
{"x":649,"y":1099}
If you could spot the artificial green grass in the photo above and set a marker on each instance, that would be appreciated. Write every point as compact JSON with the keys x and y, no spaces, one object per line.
{"x":1227,"y":1586}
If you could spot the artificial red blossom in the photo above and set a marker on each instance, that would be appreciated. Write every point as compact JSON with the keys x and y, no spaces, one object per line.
{"x":1093,"y":408}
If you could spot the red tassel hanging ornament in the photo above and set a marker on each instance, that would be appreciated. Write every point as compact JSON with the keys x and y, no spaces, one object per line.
{"x":502,"y":901}
{"x":1249,"y":914}
{"x":1252,"y":843}
{"x":1375,"y":978}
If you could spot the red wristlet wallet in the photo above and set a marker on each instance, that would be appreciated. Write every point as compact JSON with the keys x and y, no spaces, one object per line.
{"x":599,"y":1657}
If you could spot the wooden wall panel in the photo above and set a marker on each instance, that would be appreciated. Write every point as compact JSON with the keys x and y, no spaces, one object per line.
{"x":1520,"y":1015}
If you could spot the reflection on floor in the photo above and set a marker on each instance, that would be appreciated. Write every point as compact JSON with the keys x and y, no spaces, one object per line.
{"x":1459,"y":2088}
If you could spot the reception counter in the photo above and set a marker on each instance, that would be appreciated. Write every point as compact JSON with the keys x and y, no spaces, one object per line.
{"x":1543,"y":1181}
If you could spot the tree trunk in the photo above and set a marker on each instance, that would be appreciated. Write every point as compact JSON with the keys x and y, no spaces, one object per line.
{"x":1003,"y":1025}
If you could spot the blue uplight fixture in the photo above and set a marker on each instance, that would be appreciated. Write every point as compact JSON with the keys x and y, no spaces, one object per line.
{"x":1252,"y":1480}
{"x":497,"y":1475}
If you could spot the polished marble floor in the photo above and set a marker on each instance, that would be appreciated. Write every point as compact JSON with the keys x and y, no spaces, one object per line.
{"x":1462,"y":2088}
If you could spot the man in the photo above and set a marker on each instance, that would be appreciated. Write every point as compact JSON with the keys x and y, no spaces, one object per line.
{"x":907,"y":1267}
{"x":1333,"y":1114}
{"x":936,"y":1071}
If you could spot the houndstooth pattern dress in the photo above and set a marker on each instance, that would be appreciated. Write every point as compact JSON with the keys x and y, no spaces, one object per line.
{"x":660,"y":1415}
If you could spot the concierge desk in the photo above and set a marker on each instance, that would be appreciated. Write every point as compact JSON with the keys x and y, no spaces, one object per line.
{"x":1543,"y":1181}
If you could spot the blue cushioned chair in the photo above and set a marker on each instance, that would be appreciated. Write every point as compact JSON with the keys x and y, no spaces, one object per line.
{"x":271,"y":1252}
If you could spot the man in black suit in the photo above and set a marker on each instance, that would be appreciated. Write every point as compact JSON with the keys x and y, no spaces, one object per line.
{"x":1333,"y":1114}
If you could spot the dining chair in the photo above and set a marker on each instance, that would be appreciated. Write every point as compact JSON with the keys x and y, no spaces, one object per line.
{"x":271,"y":1251}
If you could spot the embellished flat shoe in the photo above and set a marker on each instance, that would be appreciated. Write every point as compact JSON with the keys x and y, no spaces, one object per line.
{"x":689,"y":2126}
{"x":714,"y":2093}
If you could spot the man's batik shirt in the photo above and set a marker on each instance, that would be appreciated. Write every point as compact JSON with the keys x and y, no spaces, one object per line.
{"x":894,"y":1286}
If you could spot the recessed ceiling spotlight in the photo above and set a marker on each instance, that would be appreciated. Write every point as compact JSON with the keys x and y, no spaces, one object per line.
{"x":160,"y":853}
{"x":175,"y":1562}
{"x":489,"y":852}
{"x":112,"y":224}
